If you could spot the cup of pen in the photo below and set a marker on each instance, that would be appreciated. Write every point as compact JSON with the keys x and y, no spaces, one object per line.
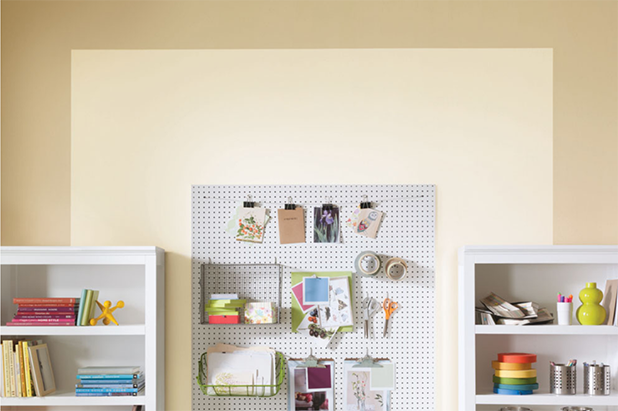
{"x":563,"y":378}
{"x":564,"y":310}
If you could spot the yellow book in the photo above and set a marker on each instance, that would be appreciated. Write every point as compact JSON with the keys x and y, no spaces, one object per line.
{"x":515,"y":374}
{"x":7,"y":369}
{"x":27,"y":368}
{"x":22,"y":368}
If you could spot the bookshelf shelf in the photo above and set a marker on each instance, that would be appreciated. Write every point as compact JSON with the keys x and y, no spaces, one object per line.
{"x":135,"y":275}
{"x":532,"y":273}
{"x":545,"y":398}
{"x":546,"y":330}
{"x":68,"y":398}
{"x":110,"y":330}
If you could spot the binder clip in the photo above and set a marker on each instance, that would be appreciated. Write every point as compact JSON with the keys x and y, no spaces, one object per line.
{"x":365,"y":203}
{"x":311,"y":362}
{"x":248,"y":203}
{"x":328,"y":205}
{"x":368,"y":362}
{"x":289,"y":205}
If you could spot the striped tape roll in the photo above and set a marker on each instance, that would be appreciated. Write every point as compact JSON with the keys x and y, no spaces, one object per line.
{"x":516,"y":373}
{"x":497,"y":365}
{"x":514,"y":381}
{"x":517,"y":357}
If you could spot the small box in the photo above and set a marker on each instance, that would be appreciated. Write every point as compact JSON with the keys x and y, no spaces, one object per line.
{"x":260,"y":313}
{"x":224,"y":319}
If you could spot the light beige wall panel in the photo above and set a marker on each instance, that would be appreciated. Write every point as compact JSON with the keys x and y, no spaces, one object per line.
{"x":148,"y":124}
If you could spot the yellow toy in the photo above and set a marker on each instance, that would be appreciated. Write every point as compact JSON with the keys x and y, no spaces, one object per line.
{"x":106,"y":313}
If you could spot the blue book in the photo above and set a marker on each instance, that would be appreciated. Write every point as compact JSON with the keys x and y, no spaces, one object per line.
{"x":134,"y":382}
{"x":512,"y":392}
{"x":105,"y":394}
{"x":109,"y":376}
{"x":101,"y":390}
{"x":140,"y":385}
{"x":522,"y":387}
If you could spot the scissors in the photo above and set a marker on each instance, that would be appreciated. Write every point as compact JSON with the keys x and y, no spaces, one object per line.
{"x":389,"y":307}
{"x":370,"y":307}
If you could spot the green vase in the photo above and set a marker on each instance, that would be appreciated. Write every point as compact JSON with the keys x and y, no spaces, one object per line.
{"x":591,"y":312}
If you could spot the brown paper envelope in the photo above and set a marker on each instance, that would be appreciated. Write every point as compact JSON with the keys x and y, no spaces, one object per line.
{"x":291,"y":226}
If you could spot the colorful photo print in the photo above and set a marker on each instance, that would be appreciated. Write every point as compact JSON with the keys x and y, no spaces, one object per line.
{"x":326,"y":225}
{"x":302,"y":398}
{"x":365,"y":221}
{"x":317,"y":400}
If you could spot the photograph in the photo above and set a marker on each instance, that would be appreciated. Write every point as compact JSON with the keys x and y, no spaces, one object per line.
{"x":44,"y":382}
{"x":358,"y":394}
{"x":326,"y":225}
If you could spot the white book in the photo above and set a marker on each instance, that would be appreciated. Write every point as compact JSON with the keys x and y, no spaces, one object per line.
{"x":132,"y":369}
{"x":17,"y":373}
{"x":224,"y":297}
{"x":2,"y":374}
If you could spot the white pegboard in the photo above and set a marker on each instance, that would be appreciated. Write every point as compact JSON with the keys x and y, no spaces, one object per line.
{"x":407,"y":231}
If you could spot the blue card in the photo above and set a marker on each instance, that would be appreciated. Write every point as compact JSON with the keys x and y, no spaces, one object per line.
{"x":315,"y":290}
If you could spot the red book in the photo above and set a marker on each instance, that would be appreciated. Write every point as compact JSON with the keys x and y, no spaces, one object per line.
{"x":44,"y":320}
{"x":46,"y":310}
{"x":31,"y":324}
{"x":43,"y":317}
{"x":43,"y":300}
{"x":47,"y":305}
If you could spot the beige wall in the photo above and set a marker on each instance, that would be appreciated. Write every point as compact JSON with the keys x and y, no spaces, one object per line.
{"x":148,"y":124}
{"x":37,"y":39}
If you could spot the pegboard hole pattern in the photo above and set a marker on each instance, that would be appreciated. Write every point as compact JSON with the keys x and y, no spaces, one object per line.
{"x":407,"y":231}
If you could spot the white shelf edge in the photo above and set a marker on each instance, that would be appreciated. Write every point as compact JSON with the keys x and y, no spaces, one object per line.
{"x":546,"y":330}
{"x":68,"y":398}
{"x":89,"y":330}
{"x":545,"y":398}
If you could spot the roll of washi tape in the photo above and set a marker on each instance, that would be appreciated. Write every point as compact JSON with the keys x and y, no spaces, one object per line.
{"x":516,"y":374}
{"x":396,"y":268}
{"x":534,"y":386}
{"x":518,"y":357}
{"x":372,"y":261}
{"x":497,"y":365}
{"x":514,"y":381}
{"x":512,"y":392}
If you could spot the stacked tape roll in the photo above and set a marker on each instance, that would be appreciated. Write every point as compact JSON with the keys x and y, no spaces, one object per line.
{"x":514,"y":375}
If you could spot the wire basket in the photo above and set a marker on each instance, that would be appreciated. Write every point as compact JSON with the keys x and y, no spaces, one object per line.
{"x":253,"y":282}
{"x":269,"y":390}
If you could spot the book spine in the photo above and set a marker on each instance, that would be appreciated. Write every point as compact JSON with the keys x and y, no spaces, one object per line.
{"x":82,"y":303}
{"x":47,"y":305}
{"x":22,"y":368}
{"x":27,"y":369}
{"x":108,"y":385}
{"x":43,"y":300}
{"x":44,"y":320}
{"x":85,"y":318}
{"x":93,"y":303}
{"x":105,"y":394}
{"x":67,"y":310}
{"x":83,"y":376}
{"x":44,"y":317}
{"x":17,"y":372}
{"x":101,"y":390}
{"x":12,"y":370}
{"x":34,"y":324}
{"x":132,"y":381}
{"x":2,"y":370}
{"x":6,"y":368}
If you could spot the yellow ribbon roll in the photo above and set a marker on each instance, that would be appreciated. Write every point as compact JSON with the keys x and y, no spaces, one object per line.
{"x":497,"y":365}
{"x":515,"y":373}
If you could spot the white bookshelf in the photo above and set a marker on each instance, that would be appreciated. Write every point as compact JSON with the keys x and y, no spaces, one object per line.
{"x":135,"y":275}
{"x":537,"y":273}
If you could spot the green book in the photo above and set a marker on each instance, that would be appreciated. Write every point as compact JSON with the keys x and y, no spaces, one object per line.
{"x":82,"y":302}
{"x":85,"y":319}
{"x":93,"y":304}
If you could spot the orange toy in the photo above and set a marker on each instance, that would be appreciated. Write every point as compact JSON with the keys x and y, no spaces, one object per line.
{"x":106,"y":313}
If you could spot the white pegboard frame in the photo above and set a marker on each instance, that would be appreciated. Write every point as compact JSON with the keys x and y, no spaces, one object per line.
{"x":407,"y":231}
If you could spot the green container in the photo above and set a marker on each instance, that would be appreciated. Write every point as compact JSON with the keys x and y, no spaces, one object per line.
{"x":591,"y":312}
{"x":241,"y":390}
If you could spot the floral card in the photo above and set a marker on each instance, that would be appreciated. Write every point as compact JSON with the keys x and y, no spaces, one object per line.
{"x":358,"y":395}
{"x":250,"y":226}
{"x":326,"y":225}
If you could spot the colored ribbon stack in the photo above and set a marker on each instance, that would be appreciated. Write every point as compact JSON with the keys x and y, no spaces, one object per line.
{"x":514,"y":375}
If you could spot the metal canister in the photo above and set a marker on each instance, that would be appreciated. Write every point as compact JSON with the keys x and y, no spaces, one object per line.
{"x":515,"y":409}
{"x":597,"y":379}
{"x":562,"y":379}
{"x":576,"y":409}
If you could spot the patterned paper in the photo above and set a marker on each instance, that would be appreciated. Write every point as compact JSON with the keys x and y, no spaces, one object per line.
{"x":260,"y":313}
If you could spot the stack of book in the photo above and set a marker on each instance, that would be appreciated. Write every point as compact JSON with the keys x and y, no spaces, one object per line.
{"x":224,"y":309}
{"x":45,"y":311}
{"x":498,"y":311}
{"x":20,"y":377}
{"x":109,"y":381}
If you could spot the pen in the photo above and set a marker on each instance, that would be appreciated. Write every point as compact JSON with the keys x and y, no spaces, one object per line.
{"x":559,"y":297}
